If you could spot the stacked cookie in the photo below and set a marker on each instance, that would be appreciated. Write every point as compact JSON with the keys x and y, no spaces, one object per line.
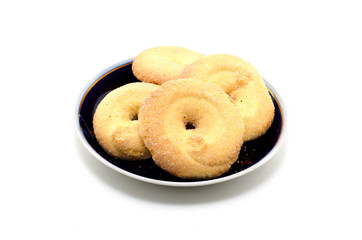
{"x":191,"y":113}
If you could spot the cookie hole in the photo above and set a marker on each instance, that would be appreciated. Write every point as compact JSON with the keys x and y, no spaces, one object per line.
{"x":134,"y":118}
{"x":189,"y":126}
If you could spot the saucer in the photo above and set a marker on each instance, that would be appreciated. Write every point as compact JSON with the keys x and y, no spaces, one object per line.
{"x":252,"y":155}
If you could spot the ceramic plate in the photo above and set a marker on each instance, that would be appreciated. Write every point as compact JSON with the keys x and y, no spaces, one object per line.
{"x":252,"y":155}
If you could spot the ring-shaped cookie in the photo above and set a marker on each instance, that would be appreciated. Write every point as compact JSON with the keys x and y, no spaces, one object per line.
{"x":245,"y":86}
{"x":161,"y":64}
{"x":115,"y":121}
{"x":255,"y":104}
{"x":191,"y":128}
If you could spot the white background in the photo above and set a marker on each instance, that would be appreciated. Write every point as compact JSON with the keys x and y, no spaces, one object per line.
{"x":52,"y":188}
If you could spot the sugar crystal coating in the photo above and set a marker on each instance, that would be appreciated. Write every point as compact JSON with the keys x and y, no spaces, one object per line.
{"x":209,"y":149}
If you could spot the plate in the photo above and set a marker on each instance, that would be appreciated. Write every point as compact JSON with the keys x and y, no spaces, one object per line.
{"x":253,"y":154}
